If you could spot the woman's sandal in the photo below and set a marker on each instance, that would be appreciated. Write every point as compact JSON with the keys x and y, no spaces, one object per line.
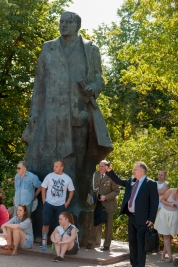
{"x":8,"y":247}
{"x":7,"y":250}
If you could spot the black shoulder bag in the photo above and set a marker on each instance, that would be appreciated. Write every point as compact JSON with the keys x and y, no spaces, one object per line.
{"x":151,"y":240}
{"x":100,"y":215}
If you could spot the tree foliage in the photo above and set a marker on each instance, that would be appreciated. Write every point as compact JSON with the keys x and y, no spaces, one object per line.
{"x":24,"y":26}
{"x":152,"y":58}
{"x":137,"y":96}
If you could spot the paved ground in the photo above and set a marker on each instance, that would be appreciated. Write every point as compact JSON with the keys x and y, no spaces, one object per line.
{"x":85,"y":258}
{"x":36,"y":261}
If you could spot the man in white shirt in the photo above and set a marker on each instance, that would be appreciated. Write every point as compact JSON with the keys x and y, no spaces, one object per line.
{"x":54,"y":190}
{"x":162,"y":185}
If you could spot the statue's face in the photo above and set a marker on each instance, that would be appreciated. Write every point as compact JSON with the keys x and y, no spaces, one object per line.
{"x":68,"y":26}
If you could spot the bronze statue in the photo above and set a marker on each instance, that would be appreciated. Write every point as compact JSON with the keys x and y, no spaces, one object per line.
{"x":65,"y":121}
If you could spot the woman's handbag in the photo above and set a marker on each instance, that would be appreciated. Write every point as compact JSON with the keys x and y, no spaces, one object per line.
{"x":6,"y":250}
{"x":100,"y":215}
{"x":151,"y":240}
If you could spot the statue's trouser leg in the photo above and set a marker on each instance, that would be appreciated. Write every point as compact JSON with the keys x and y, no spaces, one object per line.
{"x":80,"y":136}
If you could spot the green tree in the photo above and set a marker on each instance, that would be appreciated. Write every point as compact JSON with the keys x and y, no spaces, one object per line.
{"x":132,"y":106}
{"x":152,"y":59}
{"x":24,"y":26}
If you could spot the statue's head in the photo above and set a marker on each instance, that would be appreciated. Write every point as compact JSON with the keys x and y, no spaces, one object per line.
{"x":70,"y":23}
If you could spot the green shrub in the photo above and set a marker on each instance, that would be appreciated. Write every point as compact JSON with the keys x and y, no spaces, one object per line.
{"x":120,"y":224}
{"x":7,"y":190}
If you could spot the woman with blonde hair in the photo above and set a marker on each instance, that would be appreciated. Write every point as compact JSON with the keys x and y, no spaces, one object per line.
{"x":18,"y":230}
{"x":65,"y":237}
{"x":167,"y":220}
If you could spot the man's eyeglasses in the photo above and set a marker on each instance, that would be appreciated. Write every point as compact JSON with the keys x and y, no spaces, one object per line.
{"x":18,"y":168}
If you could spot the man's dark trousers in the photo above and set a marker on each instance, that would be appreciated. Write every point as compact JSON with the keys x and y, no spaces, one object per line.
{"x":136,"y":241}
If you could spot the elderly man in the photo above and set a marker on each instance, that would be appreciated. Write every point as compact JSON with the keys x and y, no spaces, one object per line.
{"x":140,"y":203}
{"x":162,"y":185}
{"x":106,"y":190}
{"x":25,"y":184}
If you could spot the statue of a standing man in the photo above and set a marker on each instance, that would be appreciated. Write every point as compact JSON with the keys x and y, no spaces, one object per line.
{"x":65,"y":121}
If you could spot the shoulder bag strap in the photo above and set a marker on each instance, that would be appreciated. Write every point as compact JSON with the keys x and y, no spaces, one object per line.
{"x":65,"y":230}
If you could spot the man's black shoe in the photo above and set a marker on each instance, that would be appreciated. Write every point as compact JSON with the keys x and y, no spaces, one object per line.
{"x":104,"y":248}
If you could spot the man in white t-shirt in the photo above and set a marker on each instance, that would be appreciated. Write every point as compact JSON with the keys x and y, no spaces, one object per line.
{"x":162,"y":185}
{"x":54,"y":191}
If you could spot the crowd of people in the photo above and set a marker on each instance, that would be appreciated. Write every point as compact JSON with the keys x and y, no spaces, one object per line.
{"x":18,"y":230}
{"x":145,"y":201}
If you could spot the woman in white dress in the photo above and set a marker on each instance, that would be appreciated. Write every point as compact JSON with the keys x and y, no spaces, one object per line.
{"x":65,"y":237}
{"x":167,"y":220}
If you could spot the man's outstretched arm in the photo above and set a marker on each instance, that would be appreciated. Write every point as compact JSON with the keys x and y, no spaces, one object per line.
{"x":115,"y":178}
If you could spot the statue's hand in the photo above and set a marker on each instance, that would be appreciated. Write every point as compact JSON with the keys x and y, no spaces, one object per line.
{"x":31,"y":123}
{"x":32,"y":119}
{"x":29,"y":130}
{"x":88,"y":90}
